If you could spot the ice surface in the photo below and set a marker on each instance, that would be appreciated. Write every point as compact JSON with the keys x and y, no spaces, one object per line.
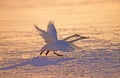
{"x":89,"y":65}
{"x":98,"y":56}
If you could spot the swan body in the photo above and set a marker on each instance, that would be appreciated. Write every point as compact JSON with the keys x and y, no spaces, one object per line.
{"x":52,"y":42}
{"x":58,"y":45}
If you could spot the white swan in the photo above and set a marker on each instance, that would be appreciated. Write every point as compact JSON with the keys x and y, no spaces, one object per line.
{"x":53,"y":44}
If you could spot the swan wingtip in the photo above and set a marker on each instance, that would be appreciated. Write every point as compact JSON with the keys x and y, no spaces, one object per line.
{"x":51,"y":22}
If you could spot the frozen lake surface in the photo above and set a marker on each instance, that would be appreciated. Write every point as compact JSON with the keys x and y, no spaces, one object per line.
{"x":98,"y":56}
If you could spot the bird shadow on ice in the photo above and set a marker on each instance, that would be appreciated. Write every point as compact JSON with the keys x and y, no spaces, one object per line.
{"x":38,"y":61}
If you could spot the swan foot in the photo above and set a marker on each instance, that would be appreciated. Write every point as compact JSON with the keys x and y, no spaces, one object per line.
{"x":47,"y":52}
{"x":41,"y":52}
{"x":58,"y":54}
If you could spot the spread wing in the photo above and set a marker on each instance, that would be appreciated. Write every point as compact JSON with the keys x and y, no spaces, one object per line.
{"x":52,"y":31}
{"x":47,"y":38}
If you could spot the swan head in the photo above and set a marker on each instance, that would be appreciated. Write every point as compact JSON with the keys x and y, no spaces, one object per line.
{"x":82,"y":37}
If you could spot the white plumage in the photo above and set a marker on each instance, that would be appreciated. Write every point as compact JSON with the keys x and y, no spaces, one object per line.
{"x":52,"y":31}
{"x":53,"y":44}
{"x":58,"y":45}
{"x":50,"y":35}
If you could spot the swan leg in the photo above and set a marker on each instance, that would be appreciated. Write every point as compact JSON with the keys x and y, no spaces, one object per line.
{"x":57,"y":54}
{"x":41,"y":52}
{"x":47,"y":52}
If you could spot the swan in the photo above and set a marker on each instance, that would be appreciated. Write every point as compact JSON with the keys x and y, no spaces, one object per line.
{"x":53,"y":43}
